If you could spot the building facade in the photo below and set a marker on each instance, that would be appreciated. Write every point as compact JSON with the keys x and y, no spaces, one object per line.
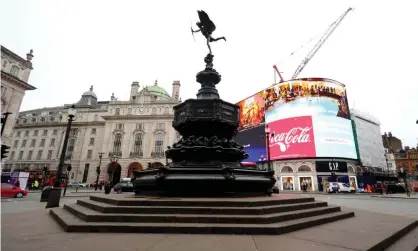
{"x":369,"y":139}
{"x":15,"y":72}
{"x":129,"y":133}
{"x":391,"y":142}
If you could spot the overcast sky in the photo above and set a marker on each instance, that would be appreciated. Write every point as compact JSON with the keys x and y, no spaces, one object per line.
{"x":109,"y":44}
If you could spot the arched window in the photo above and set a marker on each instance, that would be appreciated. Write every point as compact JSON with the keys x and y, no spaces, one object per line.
{"x":137,"y":151}
{"x":304,"y":169}
{"x":286,"y":169}
{"x":14,"y":70}
{"x":159,"y":143}
{"x":117,"y":111}
{"x":33,"y":120}
{"x":117,"y":143}
{"x":154,"y":110}
{"x":25,"y":121}
{"x":42,"y":119}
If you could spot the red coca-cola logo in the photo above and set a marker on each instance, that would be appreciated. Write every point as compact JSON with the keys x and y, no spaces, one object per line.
{"x":292,"y":138}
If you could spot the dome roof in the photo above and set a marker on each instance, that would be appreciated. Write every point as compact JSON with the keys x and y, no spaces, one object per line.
{"x":156,"y":90}
{"x":90,"y":93}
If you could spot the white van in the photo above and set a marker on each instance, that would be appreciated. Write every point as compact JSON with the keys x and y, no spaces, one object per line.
{"x":340,"y":187}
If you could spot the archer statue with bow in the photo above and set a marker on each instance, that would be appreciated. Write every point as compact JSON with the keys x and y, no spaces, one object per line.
{"x":207,"y":27}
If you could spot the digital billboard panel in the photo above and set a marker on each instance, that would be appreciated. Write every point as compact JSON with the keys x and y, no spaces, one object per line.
{"x":253,"y":142}
{"x":306,"y":97}
{"x":251,"y":111}
{"x":310,"y":137}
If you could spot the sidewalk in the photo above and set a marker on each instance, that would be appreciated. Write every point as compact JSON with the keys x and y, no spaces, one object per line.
{"x":397,"y":196}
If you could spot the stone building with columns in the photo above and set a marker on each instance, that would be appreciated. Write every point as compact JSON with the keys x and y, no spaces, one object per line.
{"x":130,"y":134}
{"x":15,"y":72}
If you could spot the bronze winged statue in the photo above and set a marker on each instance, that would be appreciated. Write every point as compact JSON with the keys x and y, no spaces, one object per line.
{"x":207,"y":27}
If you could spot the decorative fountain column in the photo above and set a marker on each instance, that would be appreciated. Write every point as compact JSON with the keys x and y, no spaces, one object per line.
{"x":206,"y":160}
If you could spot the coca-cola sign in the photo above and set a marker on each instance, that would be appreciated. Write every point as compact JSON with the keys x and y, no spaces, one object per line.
{"x":292,"y":138}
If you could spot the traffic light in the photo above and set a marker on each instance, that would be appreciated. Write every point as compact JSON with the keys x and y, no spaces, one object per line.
{"x":45,"y":169}
{"x":4,"y":151}
{"x":69,"y":167}
{"x":98,"y":170}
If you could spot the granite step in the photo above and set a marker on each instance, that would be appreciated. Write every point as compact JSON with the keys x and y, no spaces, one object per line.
{"x":199,"y":202}
{"x":408,"y":239}
{"x":90,"y":215}
{"x":71,"y":223}
{"x":107,"y":208}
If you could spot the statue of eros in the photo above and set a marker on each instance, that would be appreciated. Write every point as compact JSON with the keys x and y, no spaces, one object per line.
{"x":207,"y":27}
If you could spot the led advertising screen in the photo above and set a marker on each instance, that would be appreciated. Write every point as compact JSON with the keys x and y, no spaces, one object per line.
{"x":253,"y":142}
{"x":305,"y":97}
{"x":251,"y":111}
{"x":310,"y":137}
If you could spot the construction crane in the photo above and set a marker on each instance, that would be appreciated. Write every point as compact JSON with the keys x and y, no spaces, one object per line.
{"x":321,"y":41}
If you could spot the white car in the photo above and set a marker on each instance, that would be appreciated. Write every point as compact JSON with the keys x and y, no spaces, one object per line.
{"x":340,"y":187}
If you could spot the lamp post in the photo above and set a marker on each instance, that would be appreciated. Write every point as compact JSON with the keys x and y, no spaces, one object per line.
{"x":98,"y":171}
{"x":267,"y":136}
{"x":4,"y":120}
{"x":55,"y":193}
{"x":402,"y":174}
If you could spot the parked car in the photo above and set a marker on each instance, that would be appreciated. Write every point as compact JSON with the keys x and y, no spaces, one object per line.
{"x":340,"y":187}
{"x":395,"y":188}
{"x":8,"y":190}
{"x":77,"y":184}
{"x":123,"y":187}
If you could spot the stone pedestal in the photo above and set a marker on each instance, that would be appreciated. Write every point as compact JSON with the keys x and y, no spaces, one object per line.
{"x":206,"y":160}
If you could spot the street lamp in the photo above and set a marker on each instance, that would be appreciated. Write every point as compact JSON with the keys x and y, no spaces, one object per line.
{"x":55,"y":192}
{"x":267,"y":136}
{"x":402,"y":174}
{"x":98,"y":171}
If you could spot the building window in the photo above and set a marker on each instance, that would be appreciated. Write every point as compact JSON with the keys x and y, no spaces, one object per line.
{"x":49,"y":155}
{"x":4,"y":63}
{"x":73,"y":132}
{"x":117,"y":111}
{"x":3,"y":90}
{"x":154,"y":110}
{"x":20,"y":155}
{"x":52,"y":142}
{"x":70,"y":148}
{"x":42,"y":143}
{"x":93,"y":130}
{"x":119,"y":126}
{"x":117,"y":143}
{"x":35,"y":133}
{"x":45,"y":133}
{"x":39,"y":155}
{"x":89,"y":154}
{"x":30,"y":153}
{"x":14,"y":70}
{"x":389,"y":165}
{"x":160,"y":126}
{"x":159,"y":143}
{"x":26,"y":133}
{"x":166,"y":110}
{"x":129,"y":110}
{"x":137,"y":151}
{"x":54,"y":132}
{"x":42,"y":119}
{"x":16,"y":143}
{"x":18,"y":133}
{"x":12,"y":155}
{"x":32,"y":143}
{"x":23,"y":143}
{"x":52,"y":119}
{"x":140,"y":126}
{"x":91,"y":141}
{"x":33,"y":120}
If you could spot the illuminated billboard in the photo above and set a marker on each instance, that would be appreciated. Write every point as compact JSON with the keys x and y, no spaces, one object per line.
{"x":309,"y":118}
{"x":306,"y":97}
{"x":251,"y":111}
{"x":253,"y":142}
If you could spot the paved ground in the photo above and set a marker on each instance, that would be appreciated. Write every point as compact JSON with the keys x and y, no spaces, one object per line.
{"x":32,"y":229}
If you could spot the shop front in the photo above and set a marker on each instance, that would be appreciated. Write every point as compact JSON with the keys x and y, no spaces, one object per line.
{"x":332,"y":171}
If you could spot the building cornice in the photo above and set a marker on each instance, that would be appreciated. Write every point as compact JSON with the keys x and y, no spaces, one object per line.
{"x":60,"y":124}
{"x":15,"y":80}
{"x":137,"y":117}
{"x":16,"y":57}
